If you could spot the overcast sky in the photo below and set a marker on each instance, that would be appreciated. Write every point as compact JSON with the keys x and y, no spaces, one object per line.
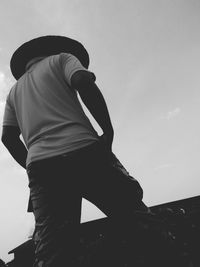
{"x":146,"y":57}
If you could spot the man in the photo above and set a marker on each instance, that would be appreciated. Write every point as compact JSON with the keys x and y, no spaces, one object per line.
{"x":64,"y":157}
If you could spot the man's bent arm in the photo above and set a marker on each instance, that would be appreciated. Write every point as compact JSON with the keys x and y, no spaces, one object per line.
{"x":94,"y":101}
{"x":11,"y":140}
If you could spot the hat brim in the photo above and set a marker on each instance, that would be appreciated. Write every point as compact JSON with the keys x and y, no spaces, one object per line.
{"x":46,"y":46}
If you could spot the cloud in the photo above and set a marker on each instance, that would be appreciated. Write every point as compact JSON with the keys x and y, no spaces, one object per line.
{"x":173,"y":113}
{"x":2,"y":106}
{"x":162,"y":166}
{"x":5,"y":85}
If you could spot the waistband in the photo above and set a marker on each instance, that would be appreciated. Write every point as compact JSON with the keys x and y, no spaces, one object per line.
{"x":96,"y":146}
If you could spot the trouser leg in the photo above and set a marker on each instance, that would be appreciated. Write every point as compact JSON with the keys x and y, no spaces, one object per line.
{"x":57,"y":209}
{"x":119,"y":196}
{"x":111,"y":188}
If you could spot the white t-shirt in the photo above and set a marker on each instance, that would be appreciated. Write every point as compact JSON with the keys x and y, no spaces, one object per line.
{"x":47,"y":110}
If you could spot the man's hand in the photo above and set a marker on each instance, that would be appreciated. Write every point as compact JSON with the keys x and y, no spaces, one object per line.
{"x":106,"y":141}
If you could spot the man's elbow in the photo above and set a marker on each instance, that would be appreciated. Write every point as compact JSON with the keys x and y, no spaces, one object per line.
{"x":82,"y":80}
{"x":10,"y":135}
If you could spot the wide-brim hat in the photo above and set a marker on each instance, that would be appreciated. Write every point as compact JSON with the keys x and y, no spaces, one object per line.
{"x":46,"y":46}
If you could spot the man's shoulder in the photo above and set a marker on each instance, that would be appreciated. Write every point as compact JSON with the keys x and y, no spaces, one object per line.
{"x":12,"y":90}
{"x":58,"y":60}
{"x":64,"y":55}
{"x":65,"y":58}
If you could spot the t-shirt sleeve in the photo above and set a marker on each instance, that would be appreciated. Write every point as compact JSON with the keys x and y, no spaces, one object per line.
{"x":70,"y":65}
{"x":9,"y":118}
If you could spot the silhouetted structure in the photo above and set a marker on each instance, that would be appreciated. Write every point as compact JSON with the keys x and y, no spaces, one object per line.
{"x":2,"y":263}
{"x":23,"y":255}
{"x":170,"y":239}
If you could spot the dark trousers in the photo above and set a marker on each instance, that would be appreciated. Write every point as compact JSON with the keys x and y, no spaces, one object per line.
{"x":57,"y":186}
